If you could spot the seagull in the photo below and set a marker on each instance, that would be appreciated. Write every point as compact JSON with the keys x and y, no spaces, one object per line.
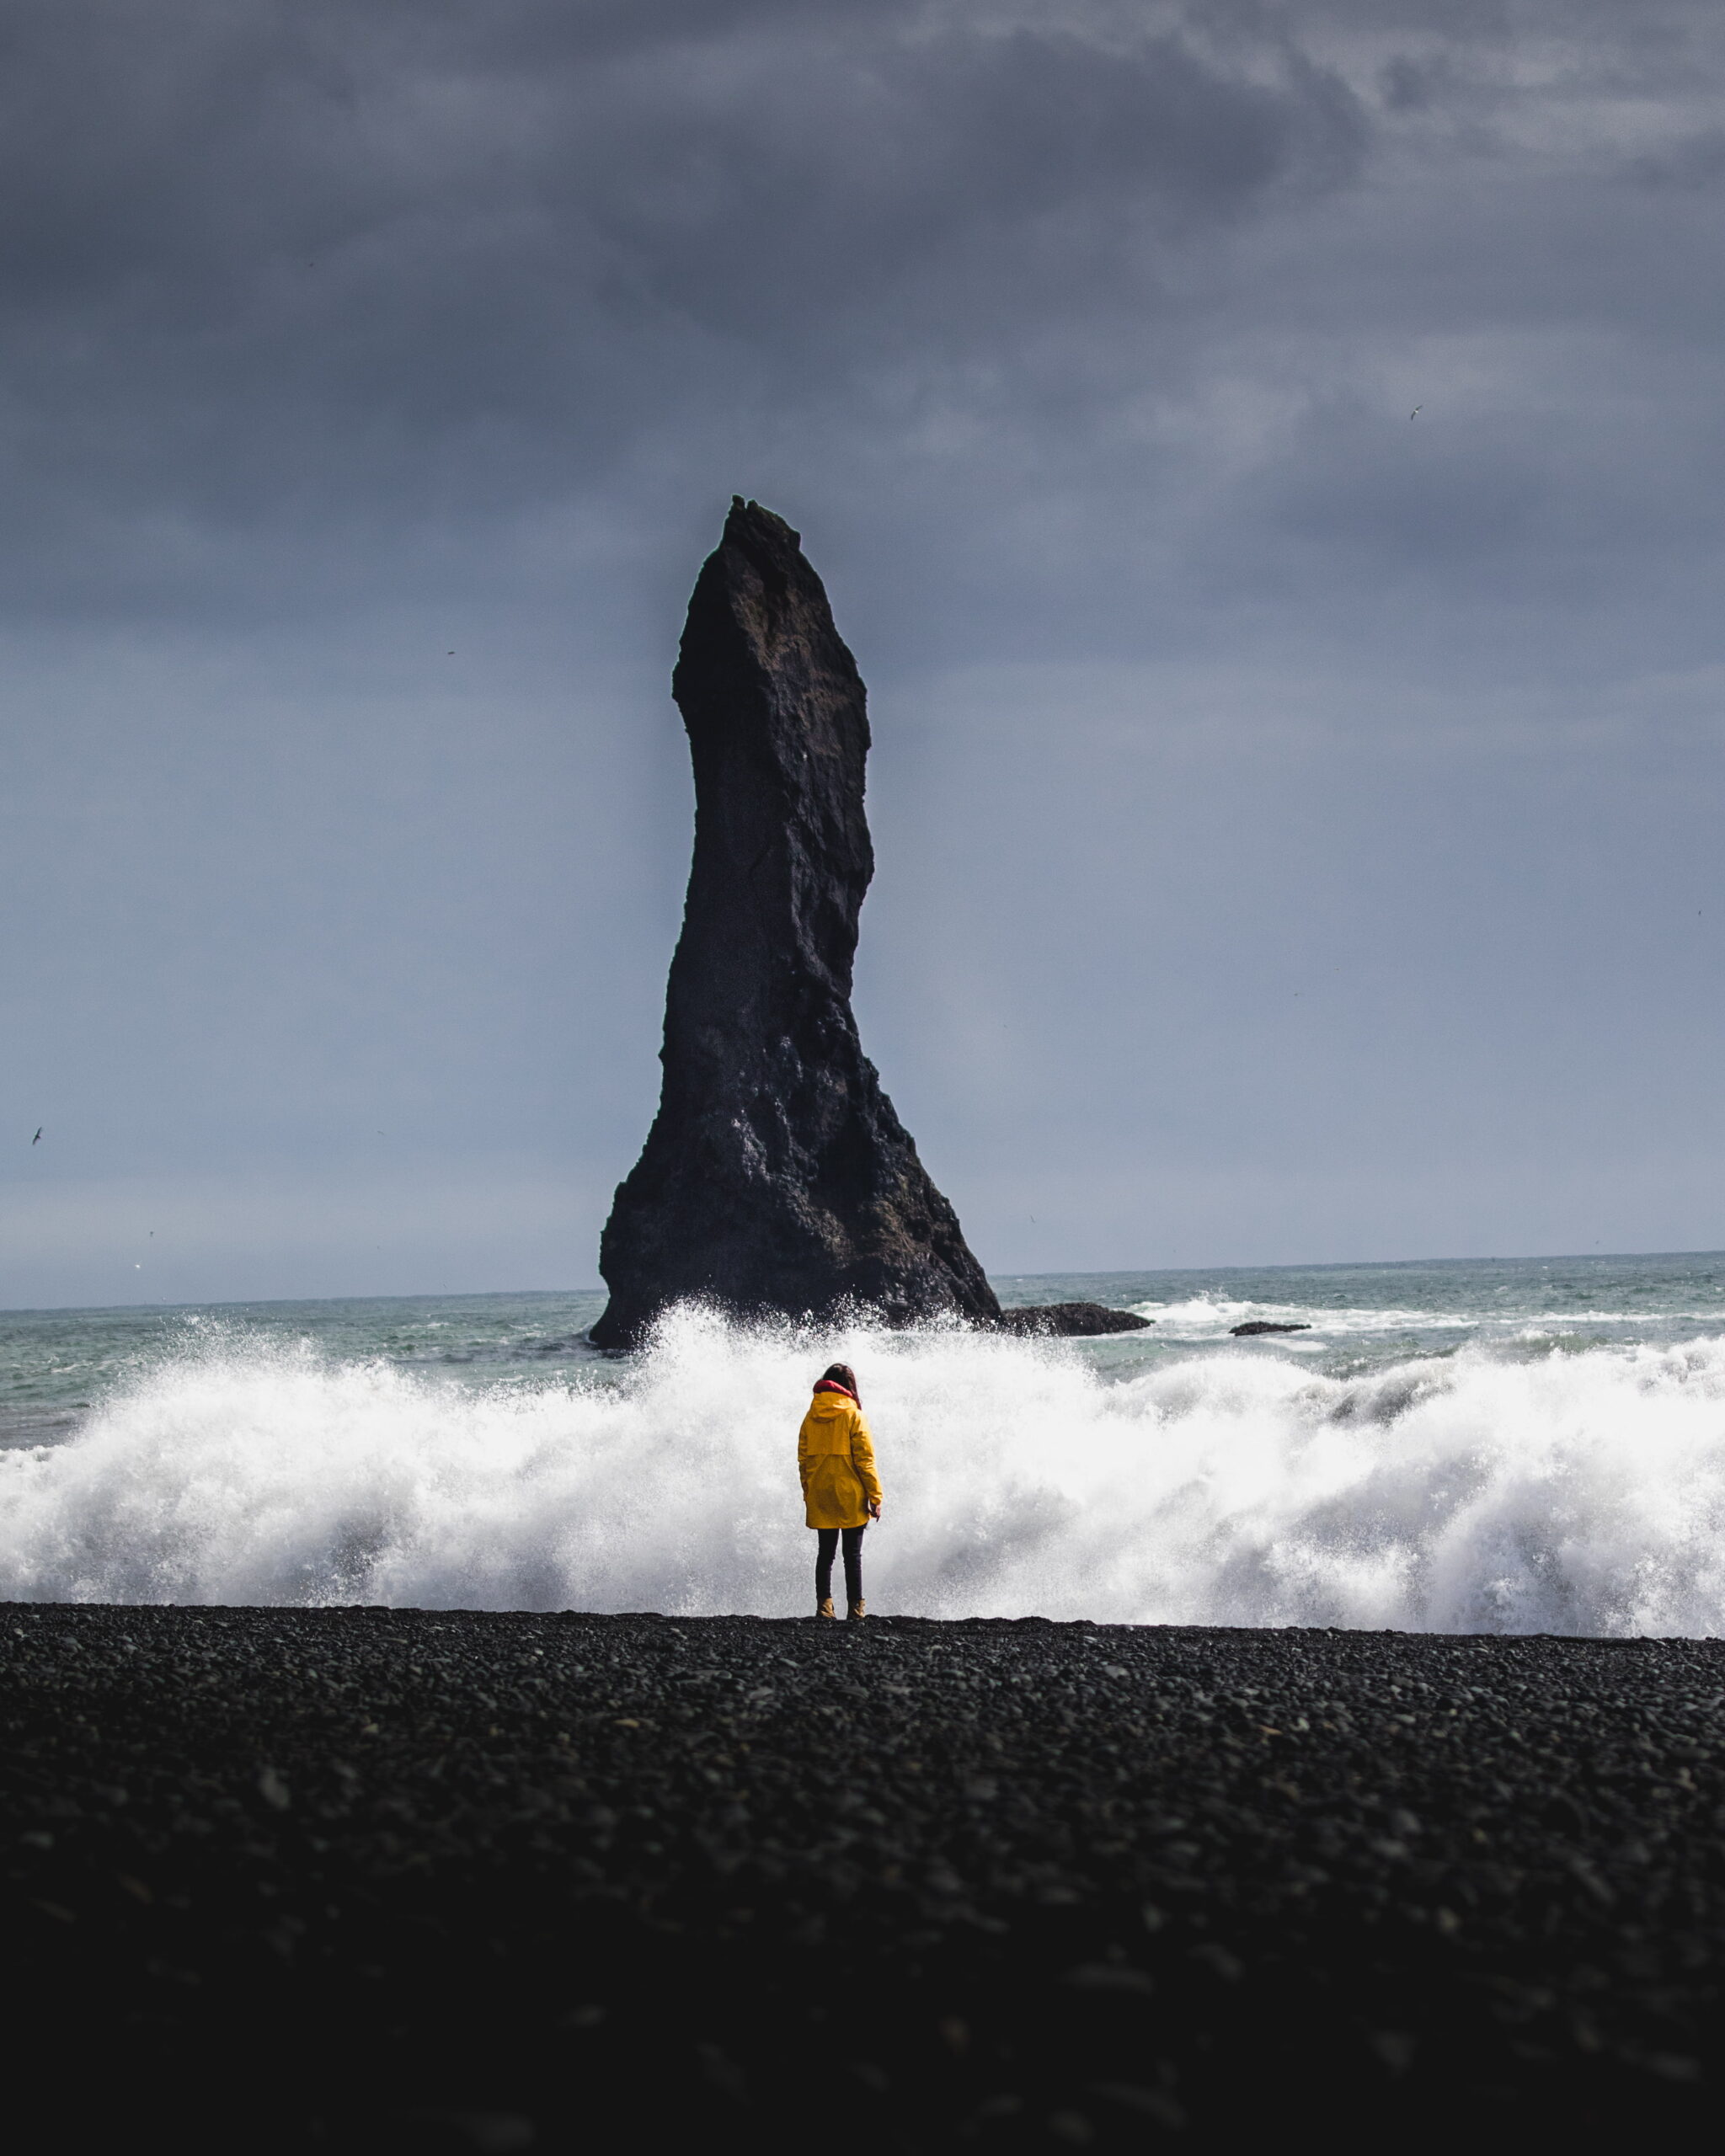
{"x":37,"y":1139}
{"x":1416,"y":412}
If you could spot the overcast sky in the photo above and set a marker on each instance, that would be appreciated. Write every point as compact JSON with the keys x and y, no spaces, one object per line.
{"x":1298,"y":823}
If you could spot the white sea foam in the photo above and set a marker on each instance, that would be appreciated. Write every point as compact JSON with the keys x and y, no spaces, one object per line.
{"x":1574,"y":1493}
{"x":1210,"y":1317}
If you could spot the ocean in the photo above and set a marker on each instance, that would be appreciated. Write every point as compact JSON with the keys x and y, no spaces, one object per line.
{"x":1522,"y":1445}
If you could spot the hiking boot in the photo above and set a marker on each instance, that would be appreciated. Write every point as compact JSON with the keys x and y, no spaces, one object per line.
{"x":825,"y":1608}
{"x":859,"y":1610}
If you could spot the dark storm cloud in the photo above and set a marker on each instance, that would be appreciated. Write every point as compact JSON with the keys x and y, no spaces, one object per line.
{"x":288,"y":293}
{"x":282,"y":262}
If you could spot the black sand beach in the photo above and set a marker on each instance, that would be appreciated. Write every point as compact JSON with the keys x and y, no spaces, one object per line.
{"x":445,"y":1881}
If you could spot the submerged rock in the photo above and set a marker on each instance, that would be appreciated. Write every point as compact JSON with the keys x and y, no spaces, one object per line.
{"x":776,"y":1178}
{"x":1258,"y":1325}
{"x":1071,"y":1320}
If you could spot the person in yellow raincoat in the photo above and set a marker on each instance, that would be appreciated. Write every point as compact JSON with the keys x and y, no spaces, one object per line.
{"x":840,"y":1490}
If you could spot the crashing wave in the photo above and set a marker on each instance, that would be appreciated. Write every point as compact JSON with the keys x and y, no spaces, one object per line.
{"x":1571,"y":1492}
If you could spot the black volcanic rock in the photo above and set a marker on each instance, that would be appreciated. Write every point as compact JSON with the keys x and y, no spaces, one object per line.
{"x":776,"y":1177}
{"x":1071,"y":1320}
{"x":1258,"y":1326}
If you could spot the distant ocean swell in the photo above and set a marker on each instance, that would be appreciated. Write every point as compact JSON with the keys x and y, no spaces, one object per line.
{"x":1575,"y":1492}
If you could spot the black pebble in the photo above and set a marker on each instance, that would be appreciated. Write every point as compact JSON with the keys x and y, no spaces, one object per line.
{"x":416,"y":1880}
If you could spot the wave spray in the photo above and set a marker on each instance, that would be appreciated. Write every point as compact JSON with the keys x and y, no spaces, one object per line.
{"x":1574,"y":1492}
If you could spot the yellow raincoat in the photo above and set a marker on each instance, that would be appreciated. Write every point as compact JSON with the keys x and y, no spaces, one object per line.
{"x":836,"y":1459}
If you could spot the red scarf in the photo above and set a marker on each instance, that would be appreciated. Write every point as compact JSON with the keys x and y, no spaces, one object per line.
{"x":833,"y":1385}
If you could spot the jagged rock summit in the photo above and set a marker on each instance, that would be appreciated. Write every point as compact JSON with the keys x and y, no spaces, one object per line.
{"x":776,"y":1177}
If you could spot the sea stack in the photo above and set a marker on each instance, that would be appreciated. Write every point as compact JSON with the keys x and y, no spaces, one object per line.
{"x":776,"y":1177}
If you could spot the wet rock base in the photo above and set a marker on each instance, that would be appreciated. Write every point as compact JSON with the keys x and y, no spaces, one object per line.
{"x":1071,"y":1320}
{"x":358,"y":1880}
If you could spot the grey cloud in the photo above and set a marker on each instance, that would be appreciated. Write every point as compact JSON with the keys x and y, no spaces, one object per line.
{"x":1696,"y":162}
{"x":275,"y":282}
{"x":267,"y":262}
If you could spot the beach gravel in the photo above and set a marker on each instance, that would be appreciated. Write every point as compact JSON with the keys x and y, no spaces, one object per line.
{"x":405,"y":1881}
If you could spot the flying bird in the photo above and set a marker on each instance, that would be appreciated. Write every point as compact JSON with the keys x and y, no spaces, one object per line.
{"x":1416,"y":412}
{"x":37,"y":1139}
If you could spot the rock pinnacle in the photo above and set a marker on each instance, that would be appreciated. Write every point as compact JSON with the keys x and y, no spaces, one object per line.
{"x":776,"y":1177}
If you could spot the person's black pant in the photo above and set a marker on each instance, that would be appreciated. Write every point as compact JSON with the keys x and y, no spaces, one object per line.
{"x":828,"y":1541}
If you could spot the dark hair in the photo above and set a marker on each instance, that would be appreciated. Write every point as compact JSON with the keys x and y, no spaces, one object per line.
{"x":842,"y":1374}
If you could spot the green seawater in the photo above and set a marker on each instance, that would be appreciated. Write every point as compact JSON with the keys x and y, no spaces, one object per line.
{"x":57,"y":1366}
